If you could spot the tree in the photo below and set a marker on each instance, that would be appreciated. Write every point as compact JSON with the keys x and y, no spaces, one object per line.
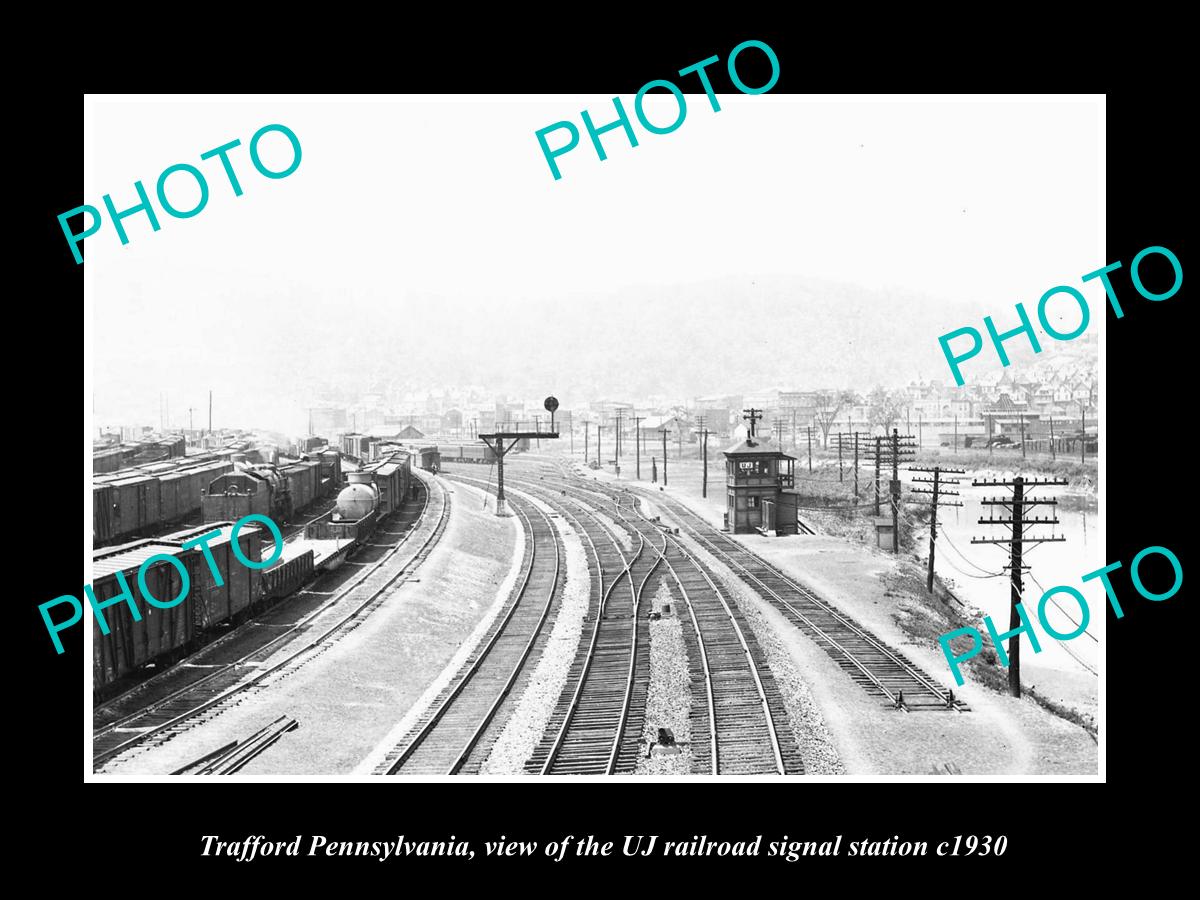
{"x":828,"y":404}
{"x":884,"y":407}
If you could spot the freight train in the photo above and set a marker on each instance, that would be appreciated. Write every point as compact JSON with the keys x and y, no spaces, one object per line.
{"x":144,"y":501}
{"x":163,"y":636}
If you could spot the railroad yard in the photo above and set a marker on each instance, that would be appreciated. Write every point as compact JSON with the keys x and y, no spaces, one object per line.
{"x":602,"y":627}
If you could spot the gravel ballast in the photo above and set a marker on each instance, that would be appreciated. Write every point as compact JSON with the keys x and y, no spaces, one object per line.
{"x":525,"y":727}
{"x":669,"y":700}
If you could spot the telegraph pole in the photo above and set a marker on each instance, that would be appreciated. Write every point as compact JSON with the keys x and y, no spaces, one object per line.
{"x":936,"y":501}
{"x":895,"y":491}
{"x":1052,"y":450}
{"x":586,"y":432}
{"x":663,"y":431}
{"x":637,"y":442}
{"x":599,"y":461}
{"x":618,"y":437}
{"x":1018,"y":523}
{"x":898,"y":450}
{"x":1022,"y":415}
{"x":856,"y":465}
{"x":839,"y":437}
{"x":878,"y":440}
{"x":704,"y":453}
{"x":808,"y":428}
{"x":1082,"y":432}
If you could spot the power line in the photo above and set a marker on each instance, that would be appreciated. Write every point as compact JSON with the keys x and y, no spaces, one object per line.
{"x":1018,"y":523}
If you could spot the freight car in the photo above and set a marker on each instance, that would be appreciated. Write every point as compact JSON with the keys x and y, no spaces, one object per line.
{"x":469,"y":453}
{"x":161,"y":636}
{"x":429,"y":459}
{"x":331,"y":471}
{"x":391,"y":479}
{"x":356,"y":445}
{"x":370,"y":495}
{"x":166,"y":635}
{"x":140,"y":502}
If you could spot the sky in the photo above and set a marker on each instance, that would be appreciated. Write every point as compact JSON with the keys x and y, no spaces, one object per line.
{"x":413,"y":223}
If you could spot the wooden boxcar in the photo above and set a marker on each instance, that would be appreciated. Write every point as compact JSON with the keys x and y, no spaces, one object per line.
{"x":159,"y":633}
{"x":391,"y":477}
{"x":102,"y":512}
{"x":217,"y":603}
{"x":135,"y":504}
{"x":163,"y":634}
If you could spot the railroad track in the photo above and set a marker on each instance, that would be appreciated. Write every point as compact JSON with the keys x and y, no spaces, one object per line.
{"x":210,"y":695}
{"x":596,"y":725}
{"x":879,"y":669}
{"x":739,"y":721}
{"x":456,"y":733}
{"x":236,"y":755}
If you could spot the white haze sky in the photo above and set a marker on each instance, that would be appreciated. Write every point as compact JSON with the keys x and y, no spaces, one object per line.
{"x":974,"y":201}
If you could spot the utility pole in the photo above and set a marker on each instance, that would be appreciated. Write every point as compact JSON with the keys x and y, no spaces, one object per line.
{"x":839,"y":437}
{"x":808,"y":428}
{"x":664,"y":434}
{"x":618,"y":437}
{"x":586,"y":431}
{"x":895,"y":491}
{"x":956,"y":432}
{"x":1022,"y":415}
{"x":537,"y":429}
{"x":920,"y":428}
{"x":1052,"y":450}
{"x":571,"y":429}
{"x":1018,"y":523}
{"x":752,"y":415}
{"x":878,"y":440}
{"x":793,"y":428}
{"x":599,"y":460}
{"x":856,"y":465}
{"x":637,"y":442}
{"x":704,"y":453}
{"x":898,"y":450}
{"x":1082,"y":432}
{"x":935,"y":502}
